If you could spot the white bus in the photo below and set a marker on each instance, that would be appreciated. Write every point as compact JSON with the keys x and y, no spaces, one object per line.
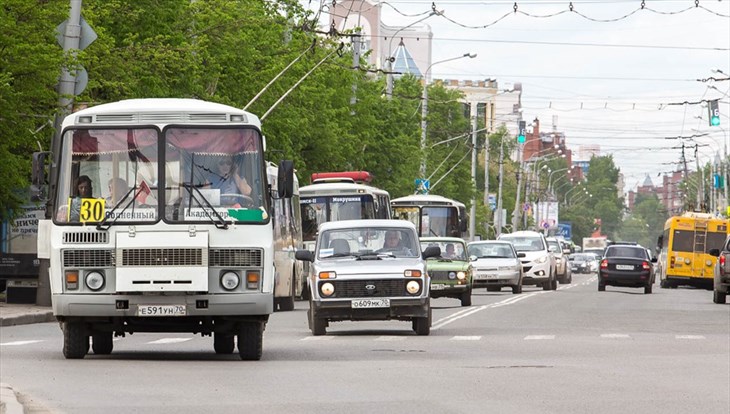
{"x":340,"y":196}
{"x":172,"y":231}
{"x":433,"y":215}
{"x":286,"y":219}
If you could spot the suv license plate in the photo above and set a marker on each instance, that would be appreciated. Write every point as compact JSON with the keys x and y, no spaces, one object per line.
{"x":161,"y":310}
{"x":624,"y":267}
{"x":370,"y":303}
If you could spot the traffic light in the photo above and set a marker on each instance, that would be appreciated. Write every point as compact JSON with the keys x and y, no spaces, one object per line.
{"x":522,"y":131}
{"x":714,"y":112}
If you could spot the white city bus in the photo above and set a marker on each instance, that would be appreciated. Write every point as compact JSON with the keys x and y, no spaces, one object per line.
{"x":340,"y":196}
{"x":289,"y":279}
{"x":175,"y":234}
{"x":433,"y":215}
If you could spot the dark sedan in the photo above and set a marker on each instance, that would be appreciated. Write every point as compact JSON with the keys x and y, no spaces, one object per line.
{"x":624,"y":265}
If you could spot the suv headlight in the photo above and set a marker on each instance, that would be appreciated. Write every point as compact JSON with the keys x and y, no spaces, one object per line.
{"x":541,"y":259}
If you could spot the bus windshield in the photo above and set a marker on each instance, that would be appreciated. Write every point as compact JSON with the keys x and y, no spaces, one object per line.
{"x":125,"y":175}
{"x":321,"y":209}
{"x":437,"y":221}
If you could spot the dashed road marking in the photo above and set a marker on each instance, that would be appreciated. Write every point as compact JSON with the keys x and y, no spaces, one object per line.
{"x":19,"y":343}
{"x":538,"y":337}
{"x":164,"y":341}
{"x":466,"y":338}
{"x":689,"y":337}
{"x":615,"y":336}
{"x":317,"y":338}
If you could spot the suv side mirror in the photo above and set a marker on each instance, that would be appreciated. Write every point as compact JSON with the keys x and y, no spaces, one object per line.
{"x":714,"y":252}
{"x":521,"y":254}
{"x":304,"y":255}
{"x":431,"y":251}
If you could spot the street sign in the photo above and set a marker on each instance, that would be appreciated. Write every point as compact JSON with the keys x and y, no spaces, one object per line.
{"x":492,"y":199}
{"x":565,"y":230}
{"x":422,"y":185}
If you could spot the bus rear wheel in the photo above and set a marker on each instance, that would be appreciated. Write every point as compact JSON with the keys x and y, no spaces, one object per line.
{"x":223,"y":343}
{"x":102,"y":343}
{"x":719,"y":297}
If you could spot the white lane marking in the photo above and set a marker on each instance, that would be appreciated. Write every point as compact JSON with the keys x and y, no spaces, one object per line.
{"x":18,"y":343}
{"x":390,"y":338}
{"x":466,"y":338}
{"x":169,"y":341}
{"x":464,"y":313}
{"x":538,"y":337}
{"x":615,"y":336}
{"x":689,"y":337}
{"x":317,"y":338}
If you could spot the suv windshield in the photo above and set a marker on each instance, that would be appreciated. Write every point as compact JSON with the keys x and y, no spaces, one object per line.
{"x":491,"y":250}
{"x":525,"y":243}
{"x":368,"y":241}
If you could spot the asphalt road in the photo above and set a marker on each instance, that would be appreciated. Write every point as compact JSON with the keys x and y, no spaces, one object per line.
{"x":575,"y":350}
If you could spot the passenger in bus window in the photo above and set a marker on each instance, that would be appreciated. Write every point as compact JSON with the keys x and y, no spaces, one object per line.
{"x":82,"y":189}
{"x":228,"y":181}
{"x":118,"y":188}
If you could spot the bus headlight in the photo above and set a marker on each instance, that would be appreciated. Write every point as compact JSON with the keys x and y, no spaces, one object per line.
{"x":413,"y":287}
{"x":327,"y":289}
{"x":230,"y":280}
{"x":94,"y":281}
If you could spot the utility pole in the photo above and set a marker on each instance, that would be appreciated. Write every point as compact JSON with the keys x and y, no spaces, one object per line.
{"x":499,"y":218}
{"x":473,"y":209}
{"x":356,"y":65}
{"x":71,"y":83}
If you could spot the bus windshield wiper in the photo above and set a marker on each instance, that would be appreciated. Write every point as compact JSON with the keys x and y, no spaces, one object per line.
{"x":221,"y":224}
{"x":104,"y":224}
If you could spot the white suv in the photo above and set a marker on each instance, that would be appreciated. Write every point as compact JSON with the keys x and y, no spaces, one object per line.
{"x":538,"y":264}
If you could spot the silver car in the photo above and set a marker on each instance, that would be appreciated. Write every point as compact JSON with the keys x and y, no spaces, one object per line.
{"x":496,"y":265}
{"x":368,"y":270}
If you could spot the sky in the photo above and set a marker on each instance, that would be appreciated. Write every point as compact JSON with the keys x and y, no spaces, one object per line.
{"x":614,"y":74}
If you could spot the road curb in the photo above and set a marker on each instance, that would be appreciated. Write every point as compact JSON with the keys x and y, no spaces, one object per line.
{"x":26,"y":319}
{"x":9,"y":403}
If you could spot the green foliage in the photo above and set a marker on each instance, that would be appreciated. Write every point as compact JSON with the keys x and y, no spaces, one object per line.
{"x":30,"y":62}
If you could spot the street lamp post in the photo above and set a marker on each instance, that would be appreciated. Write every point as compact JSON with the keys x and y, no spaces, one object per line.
{"x":424,"y":108}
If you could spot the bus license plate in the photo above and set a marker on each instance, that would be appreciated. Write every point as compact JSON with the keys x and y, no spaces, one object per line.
{"x":370,"y":303}
{"x":161,"y":310}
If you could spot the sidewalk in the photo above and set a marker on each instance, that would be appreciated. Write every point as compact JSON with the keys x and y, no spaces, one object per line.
{"x":17,"y":314}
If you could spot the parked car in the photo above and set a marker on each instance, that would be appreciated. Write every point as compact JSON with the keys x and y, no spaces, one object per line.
{"x":451,"y":272}
{"x":563,"y":271}
{"x":583,"y":263}
{"x":721,"y":273}
{"x":538,"y":265}
{"x":368,"y":270}
{"x":496,"y":265}
{"x":625,"y":265}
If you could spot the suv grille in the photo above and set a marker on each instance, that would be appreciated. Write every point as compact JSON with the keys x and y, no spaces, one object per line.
{"x":358,"y":288}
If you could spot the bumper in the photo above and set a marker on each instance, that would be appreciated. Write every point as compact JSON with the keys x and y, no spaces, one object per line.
{"x":510,"y":279}
{"x":400,"y":309}
{"x":439,"y":290}
{"x":65,"y":305}
{"x":624,"y":278}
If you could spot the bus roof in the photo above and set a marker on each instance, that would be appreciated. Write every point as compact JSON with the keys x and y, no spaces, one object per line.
{"x":161,"y":111}
{"x":425,"y":199}
{"x":325,"y":189}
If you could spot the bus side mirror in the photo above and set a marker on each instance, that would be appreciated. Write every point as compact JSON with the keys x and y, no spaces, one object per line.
{"x":304,"y":255}
{"x":714,"y":252}
{"x":285,"y":179}
{"x":38,"y":176}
